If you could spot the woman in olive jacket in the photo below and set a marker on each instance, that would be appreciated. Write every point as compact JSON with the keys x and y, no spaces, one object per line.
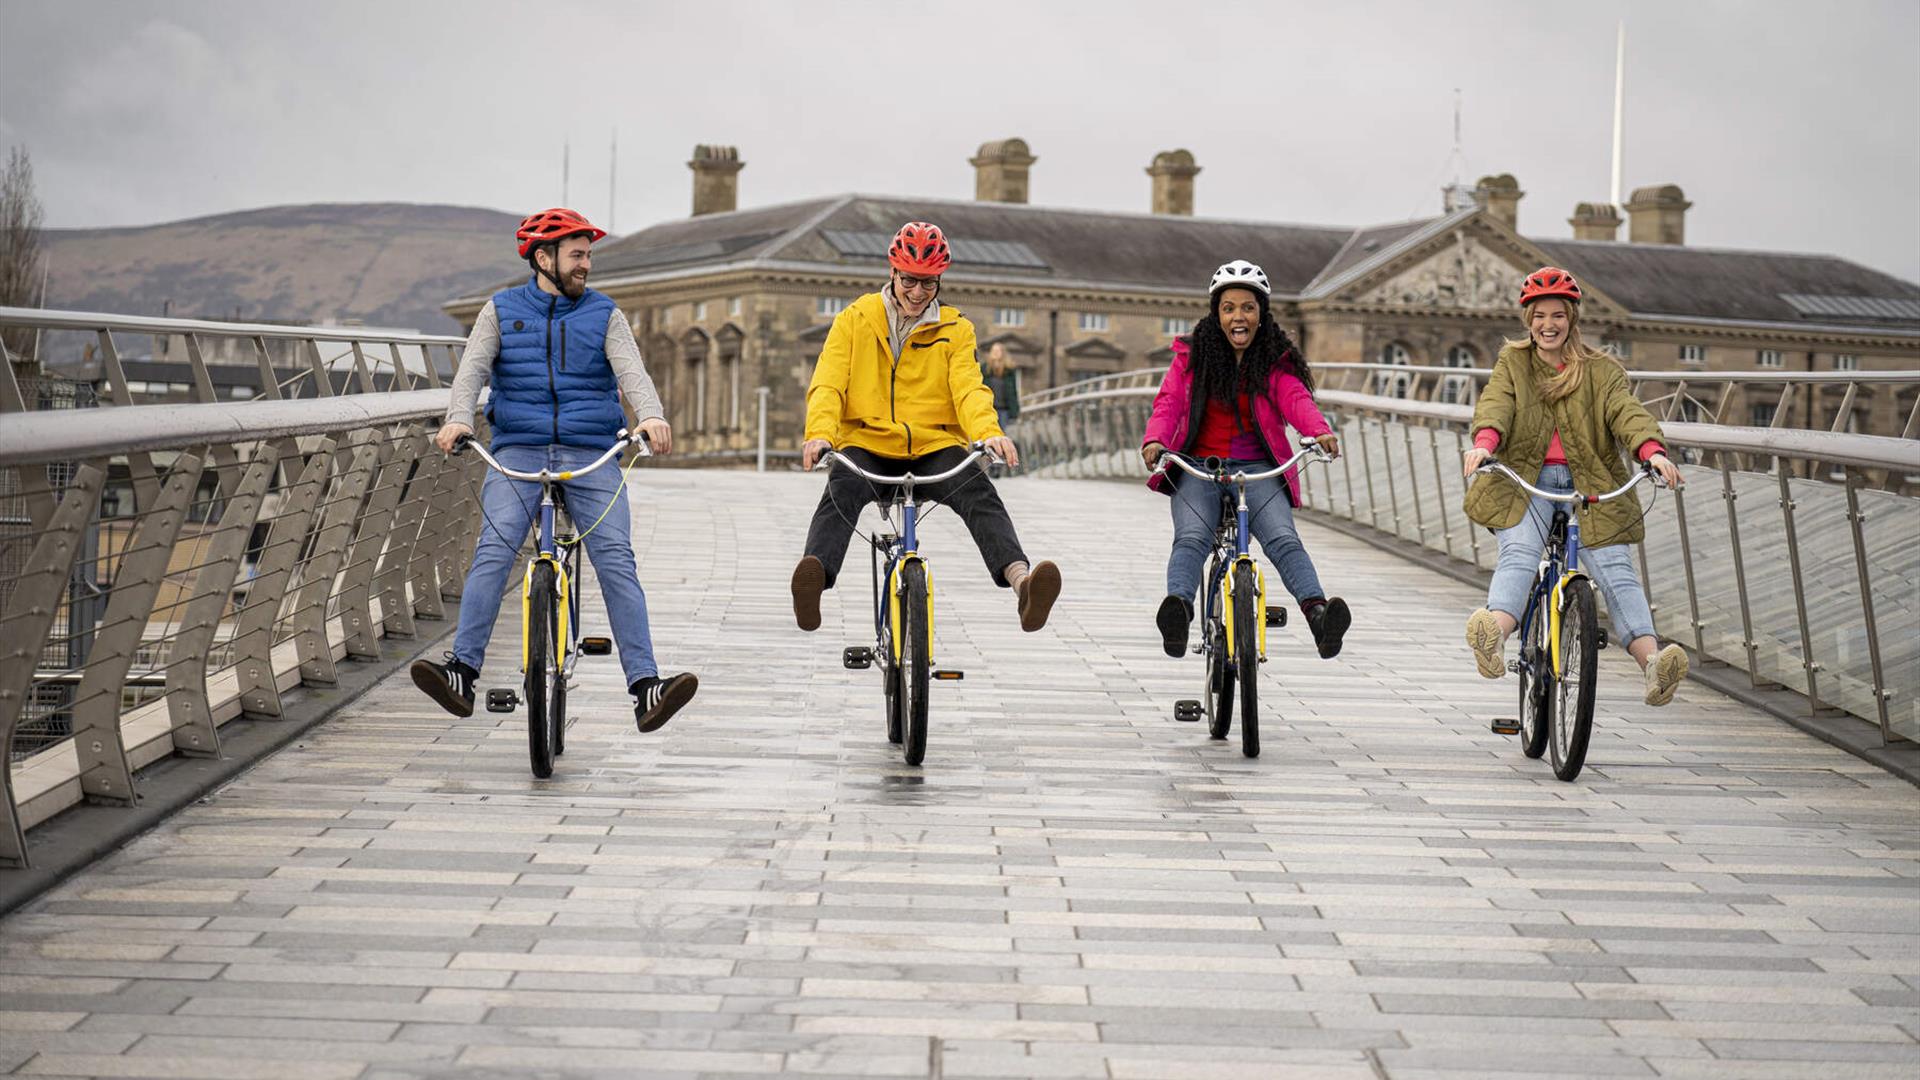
{"x":1560,"y":409}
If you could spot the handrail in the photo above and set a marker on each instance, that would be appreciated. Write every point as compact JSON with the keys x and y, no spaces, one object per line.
{"x":152,"y":324}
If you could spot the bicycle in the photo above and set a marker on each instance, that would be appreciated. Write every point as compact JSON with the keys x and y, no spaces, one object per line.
{"x":1560,"y":636}
{"x":903,"y":606}
{"x":1234,"y":617}
{"x":550,"y":639}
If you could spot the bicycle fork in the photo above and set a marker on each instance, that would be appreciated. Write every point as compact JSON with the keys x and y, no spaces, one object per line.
{"x":1242,"y":555}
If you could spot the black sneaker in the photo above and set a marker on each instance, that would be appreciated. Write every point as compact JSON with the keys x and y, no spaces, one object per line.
{"x":1329,"y":622}
{"x":1175,"y":615}
{"x":657,"y":698}
{"x":450,"y":684}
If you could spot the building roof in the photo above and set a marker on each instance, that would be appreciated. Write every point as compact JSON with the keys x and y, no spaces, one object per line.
{"x":1015,"y":243}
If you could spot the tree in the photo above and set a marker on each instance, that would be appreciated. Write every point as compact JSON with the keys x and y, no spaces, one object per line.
{"x":20,"y":267}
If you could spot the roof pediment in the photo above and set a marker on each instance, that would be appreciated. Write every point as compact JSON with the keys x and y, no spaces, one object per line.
{"x":1095,"y":349}
{"x":1015,"y":343}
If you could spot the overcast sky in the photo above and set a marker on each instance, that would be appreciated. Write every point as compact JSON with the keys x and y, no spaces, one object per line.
{"x":1790,"y":125}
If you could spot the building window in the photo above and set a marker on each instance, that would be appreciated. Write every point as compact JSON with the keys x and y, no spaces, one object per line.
{"x":1174,"y":326}
{"x":1009,"y":316}
{"x":1846,"y":362}
{"x":1093,"y":322}
{"x":1760,"y":414}
{"x":1396,"y":354}
{"x":828,"y":305}
{"x":700,"y":311}
{"x":1693,"y":354}
{"x":1455,"y":388}
{"x":1771,"y":358}
{"x":733,"y":307}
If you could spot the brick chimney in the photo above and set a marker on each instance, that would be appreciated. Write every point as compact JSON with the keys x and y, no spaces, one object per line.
{"x":1595,"y":221}
{"x":1501,"y":196}
{"x":715,"y":179}
{"x":1000,"y":171}
{"x":1658,"y":215}
{"x":1173,"y":172}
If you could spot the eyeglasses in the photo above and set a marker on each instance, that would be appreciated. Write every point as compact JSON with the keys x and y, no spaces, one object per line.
{"x":908,"y":283}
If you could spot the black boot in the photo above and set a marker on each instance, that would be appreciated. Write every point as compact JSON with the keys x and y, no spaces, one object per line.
{"x":1328,"y":619}
{"x":657,"y":698}
{"x":450,"y":684}
{"x":1175,"y":614}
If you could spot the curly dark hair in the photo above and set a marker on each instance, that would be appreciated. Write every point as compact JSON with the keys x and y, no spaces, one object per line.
{"x":1212,"y":357}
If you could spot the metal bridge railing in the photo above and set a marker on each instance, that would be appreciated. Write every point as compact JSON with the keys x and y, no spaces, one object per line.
{"x":1778,"y":557}
{"x":165,"y":569}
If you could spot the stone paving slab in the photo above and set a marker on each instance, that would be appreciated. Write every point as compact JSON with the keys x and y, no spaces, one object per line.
{"x":1074,"y":885}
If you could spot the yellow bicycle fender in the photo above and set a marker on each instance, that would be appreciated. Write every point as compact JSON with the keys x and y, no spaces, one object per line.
{"x":1226,"y":608}
{"x":1553,"y":620}
{"x":1259,"y":604}
{"x":526,"y":605}
{"x":893,"y":606}
{"x":563,"y":586}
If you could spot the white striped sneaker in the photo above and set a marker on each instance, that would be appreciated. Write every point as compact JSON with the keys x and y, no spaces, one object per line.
{"x":656,"y":699}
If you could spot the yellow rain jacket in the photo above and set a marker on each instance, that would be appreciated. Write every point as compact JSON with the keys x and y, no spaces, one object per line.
{"x":928,"y":399}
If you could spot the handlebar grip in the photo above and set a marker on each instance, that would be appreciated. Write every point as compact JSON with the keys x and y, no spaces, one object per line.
{"x":460,"y":443}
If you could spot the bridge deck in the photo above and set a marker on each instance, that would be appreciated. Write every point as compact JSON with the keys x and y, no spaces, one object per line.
{"x":1073,"y":886}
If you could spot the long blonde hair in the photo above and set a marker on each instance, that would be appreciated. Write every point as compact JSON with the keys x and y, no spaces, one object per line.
{"x":997,"y":360}
{"x":1575,"y":354}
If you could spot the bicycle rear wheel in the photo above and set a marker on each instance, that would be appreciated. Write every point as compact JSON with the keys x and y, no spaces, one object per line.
{"x":1536,"y":682}
{"x":542,"y":672}
{"x":1246,"y":649}
{"x":890,"y":685}
{"x":915,"y":661}
{"x":1579,"y":653}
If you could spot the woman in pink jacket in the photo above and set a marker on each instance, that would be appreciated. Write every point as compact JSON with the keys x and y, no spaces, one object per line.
{"x":1235,"y":385}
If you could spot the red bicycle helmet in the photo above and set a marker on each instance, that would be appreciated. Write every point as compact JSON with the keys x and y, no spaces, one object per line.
{"x":555,"y":224}
{"x":919,"y":249}
{"x":1549,"y":281}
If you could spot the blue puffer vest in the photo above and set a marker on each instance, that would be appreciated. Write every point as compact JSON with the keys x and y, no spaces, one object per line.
{"x":552,"y":382}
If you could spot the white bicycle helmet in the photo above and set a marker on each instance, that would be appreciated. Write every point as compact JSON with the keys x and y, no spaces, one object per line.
{"x":1240,"y":273}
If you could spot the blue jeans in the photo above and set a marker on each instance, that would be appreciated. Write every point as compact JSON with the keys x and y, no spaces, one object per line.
{"x":1612,"y":566}
{"x":511,"y":507}
{"x":1196,"y":514}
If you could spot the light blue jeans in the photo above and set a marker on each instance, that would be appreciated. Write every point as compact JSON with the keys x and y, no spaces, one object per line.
{"x":1611,"y":566}
{"x":1196,"y":514}
{"x":510,"y":508}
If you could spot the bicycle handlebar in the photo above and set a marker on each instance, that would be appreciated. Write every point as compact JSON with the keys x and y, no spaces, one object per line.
{"x":1568,"y":497}
{"x":1210,"y":468}
{"x":625,"y":439}
{"x":979,"y":451}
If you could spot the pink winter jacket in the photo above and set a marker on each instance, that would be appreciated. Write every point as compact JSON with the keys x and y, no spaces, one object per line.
{"x":1175,"y":423}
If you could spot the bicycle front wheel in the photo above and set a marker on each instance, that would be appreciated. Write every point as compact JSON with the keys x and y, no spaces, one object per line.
{"x":1579,"y":653}
{"x":1536,"y":682}
{"x":542,"y":674}
{"x":1246,"y":649}
{"x":915,"y":661}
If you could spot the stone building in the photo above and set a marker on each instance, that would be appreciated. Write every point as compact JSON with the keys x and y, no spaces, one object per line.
{"x":728,"y":301}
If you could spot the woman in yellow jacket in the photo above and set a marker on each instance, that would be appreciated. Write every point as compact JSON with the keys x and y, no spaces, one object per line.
{"x":898,"y":390}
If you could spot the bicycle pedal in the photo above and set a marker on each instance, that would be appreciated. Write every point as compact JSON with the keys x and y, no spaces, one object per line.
{"x":1276,"y":616}
{"x":1505,"y":725}
{"x":948,"y":675}
{"x":1600,"y":637}
{"x":1186,"y":710}
{"x":857,"y":657}
{"x":596,"y":646}
{"x":1516,"y":667}
{"x":502,"y":699}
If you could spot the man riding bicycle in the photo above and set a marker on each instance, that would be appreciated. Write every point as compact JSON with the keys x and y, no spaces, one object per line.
{"x":898,"y":390}
{"x":559,"y":355}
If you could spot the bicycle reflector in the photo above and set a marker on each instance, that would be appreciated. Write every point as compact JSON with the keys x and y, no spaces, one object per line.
{"x":950,"y":676}
{"x":596,"y":646}
{"x":1505,"y":725}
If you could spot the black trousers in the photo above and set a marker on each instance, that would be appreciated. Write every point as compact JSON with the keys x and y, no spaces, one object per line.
{"x":970,"y":494}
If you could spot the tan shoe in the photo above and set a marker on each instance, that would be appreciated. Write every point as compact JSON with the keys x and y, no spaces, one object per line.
{"x":1486,"y":641}
{"x":1665,"y":673}
{"x":1037,"y":592}
{"x":809,"y":581}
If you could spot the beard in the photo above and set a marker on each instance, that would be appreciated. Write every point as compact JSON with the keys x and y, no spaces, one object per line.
{"x":574,"y":286}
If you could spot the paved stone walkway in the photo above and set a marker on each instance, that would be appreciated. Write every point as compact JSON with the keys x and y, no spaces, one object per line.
{"x":1073,"y":886}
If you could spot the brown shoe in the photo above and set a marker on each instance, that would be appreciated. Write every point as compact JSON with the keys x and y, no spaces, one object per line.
{"x":809,"y":581}
{"x":1037,"y":592}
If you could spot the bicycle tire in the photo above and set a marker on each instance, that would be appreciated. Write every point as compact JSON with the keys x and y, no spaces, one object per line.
{"x":1579,"y":655}
{"x":915,"y":662}
{"x":1219,"y":688}
{"x":890,"y":686}
{"x":1536,"y":682}
{"x":1246,"y":648}
{"x":571,"y":649}
{"x":540,"y":633}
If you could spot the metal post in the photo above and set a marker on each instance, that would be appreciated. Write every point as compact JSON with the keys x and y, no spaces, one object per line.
{"x":24,"y":626}
{"x":1858,"y":519}
{"x":1346,"y":468}
{"x":104,"y":772}
{"x":1473,"y":530}
{"x":760,"y":460}
{"x":1686,"y":560}
{"x":1799,"y":593}
{"x":370,"y":507}
{"x":1440,"y":492}
{"x":187,"y":702}
{"x":309,"y":612}
{"x":439,"y":533}
{"x":273,"y":574}
{"x":1366,"y":467}
{"x":1413,"y":478}
{"x":396,"y":561}
{"x":1386,"y":466}
{"x":1728,"y":493}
